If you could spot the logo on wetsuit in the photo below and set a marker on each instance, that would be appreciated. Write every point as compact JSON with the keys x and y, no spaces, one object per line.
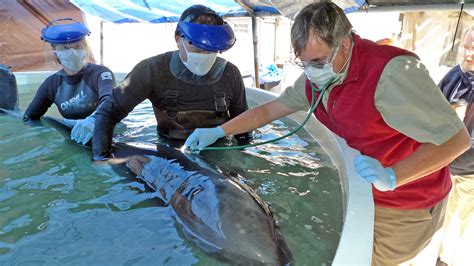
{"x":106,"y":75}
{"x":75,"y":102}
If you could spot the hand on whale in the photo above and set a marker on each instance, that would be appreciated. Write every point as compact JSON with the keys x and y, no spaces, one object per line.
{"x":217,"y":213}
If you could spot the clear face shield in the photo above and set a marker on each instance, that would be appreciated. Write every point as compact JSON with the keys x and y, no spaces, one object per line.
{"x":65,"y":45}
{"x":70,"y":57}
{"x":196,"y":61}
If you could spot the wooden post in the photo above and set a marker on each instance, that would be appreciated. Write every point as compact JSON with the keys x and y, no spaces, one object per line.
{"x":255,"y":50}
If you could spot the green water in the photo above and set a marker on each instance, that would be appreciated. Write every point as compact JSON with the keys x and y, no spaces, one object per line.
{"x":57,"y":208}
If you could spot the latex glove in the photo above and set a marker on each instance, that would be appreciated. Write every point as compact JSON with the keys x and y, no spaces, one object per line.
{"x":203,"y":137}
{"x":82,"y":130}
{"x":372,"y":171}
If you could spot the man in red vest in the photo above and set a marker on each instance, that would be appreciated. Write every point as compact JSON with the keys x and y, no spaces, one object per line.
{"x":381,"y":100}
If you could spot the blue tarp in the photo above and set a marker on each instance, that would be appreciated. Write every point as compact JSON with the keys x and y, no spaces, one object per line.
{"x":271,"y":73}
{"x":159,"y":11}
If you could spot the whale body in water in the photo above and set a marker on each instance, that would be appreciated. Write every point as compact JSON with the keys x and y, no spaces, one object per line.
{"x":217,"y":213}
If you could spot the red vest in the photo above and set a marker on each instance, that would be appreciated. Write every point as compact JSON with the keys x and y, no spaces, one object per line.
{"x":353,"y":116}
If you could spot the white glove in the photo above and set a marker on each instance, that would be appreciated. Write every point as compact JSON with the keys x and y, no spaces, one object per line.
{"x":203,"y":137}
{"x":82,"y":130}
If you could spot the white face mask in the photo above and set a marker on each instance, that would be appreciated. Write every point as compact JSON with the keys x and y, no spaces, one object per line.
{"x":323,"y":75}
{"x":73,"y":59}
{"x":198,"y":63}
{"x":318,"y":76}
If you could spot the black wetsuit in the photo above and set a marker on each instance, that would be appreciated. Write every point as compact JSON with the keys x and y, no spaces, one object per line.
{"x":76,"y":96}
{"x":175,"y":102}
{"x":459,"y":85}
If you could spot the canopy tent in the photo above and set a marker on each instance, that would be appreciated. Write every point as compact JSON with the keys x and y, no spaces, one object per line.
{"x":159,"y":11}
{"x":162,"y":11}
{"x":23,"y":20}
{"x":291,"y":8}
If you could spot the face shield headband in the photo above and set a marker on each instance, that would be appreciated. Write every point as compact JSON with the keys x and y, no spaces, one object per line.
{"x":212,"y":38}
{"x":64,"y":33}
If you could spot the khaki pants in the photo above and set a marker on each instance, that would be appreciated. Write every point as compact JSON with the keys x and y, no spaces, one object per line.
{"x":399,"y":235}
{"x":458,"y":239}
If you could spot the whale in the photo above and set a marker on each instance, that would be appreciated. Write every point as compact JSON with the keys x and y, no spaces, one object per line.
{"x":215,"y":212}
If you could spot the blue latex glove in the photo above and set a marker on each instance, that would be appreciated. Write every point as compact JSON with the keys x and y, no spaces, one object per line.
{"x":82,"y":130}
{"x":372,"y":171}
{"x":203,"y":137}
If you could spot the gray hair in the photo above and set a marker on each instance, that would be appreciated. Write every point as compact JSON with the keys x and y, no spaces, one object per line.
{"x":326,"y":19}
{"x":467,"y":32}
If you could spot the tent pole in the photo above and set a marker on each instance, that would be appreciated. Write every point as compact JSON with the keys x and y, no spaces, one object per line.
{"x":255,"y":38}
{"x":457,"y":26}
{"x":102,"y":42}
{"x":255,"y":50}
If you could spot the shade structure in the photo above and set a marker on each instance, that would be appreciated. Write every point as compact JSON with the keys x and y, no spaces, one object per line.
{"x":161,"y":11}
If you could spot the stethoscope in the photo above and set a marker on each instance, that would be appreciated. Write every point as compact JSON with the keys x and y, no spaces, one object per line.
{"x":314,"y":105}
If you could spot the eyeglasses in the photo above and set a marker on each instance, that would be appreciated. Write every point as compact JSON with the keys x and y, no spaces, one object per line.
{"x":319,"y":64}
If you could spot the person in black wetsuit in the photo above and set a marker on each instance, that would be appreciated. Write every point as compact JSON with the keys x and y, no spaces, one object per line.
{"x":79,"y":87}
{"x":189,"y":88}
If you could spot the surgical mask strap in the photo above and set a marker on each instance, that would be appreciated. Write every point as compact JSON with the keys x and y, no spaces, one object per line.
{"x":334,"y":54}
{"x":343,"y":66}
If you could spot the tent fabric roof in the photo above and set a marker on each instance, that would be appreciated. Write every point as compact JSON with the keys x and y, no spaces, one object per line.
{"x":22,"y":21}
{"x":291,"y":8}
{"x":159,"y":11}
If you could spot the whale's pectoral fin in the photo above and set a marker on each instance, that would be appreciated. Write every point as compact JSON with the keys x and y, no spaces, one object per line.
{"x":136,"y":163}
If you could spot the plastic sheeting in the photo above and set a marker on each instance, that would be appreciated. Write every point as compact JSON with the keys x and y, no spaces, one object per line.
{"x":158,"y":11}
{"x":21,"y":21}
{"x":291,"y":8}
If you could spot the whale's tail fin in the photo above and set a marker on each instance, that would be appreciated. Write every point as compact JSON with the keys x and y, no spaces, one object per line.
{"x":8,"y":89}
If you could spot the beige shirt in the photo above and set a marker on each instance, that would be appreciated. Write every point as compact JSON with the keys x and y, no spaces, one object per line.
{"x":406,"y":97}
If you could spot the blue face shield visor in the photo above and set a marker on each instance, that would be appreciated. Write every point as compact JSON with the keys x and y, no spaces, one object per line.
{"x":211,"y":38}
{"x":64,"y":33}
